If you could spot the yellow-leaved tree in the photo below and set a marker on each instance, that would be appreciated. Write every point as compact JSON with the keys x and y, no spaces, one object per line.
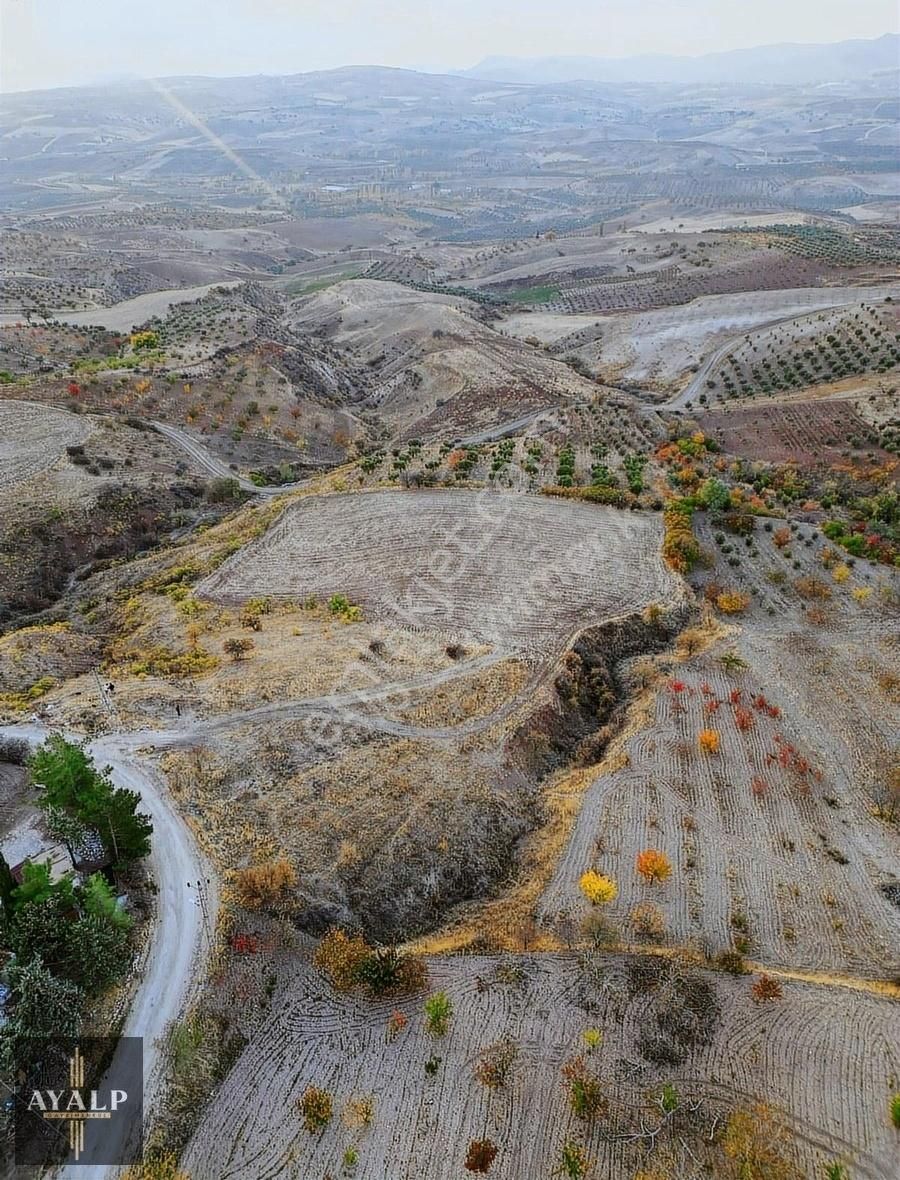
{"x":598,"y":888}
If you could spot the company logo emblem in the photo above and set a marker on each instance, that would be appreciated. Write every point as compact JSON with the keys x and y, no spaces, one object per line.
{"x":79,"y":1102}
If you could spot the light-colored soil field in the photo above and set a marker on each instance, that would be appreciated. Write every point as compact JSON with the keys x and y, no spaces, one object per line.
{"x":659,"y":347}
{"x":517,"y":572}
{"x":757,"y":847}
{"x":823,"y":1058}
{"x":33,"y":437}
{"x":775,"y":836}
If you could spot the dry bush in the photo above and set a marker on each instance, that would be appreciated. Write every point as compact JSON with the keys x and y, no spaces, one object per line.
{"x":237,"y":648}
{"x":263,"y":885}
{"x":766,"y":989}
{"x":495,"y":1064}
{"x":812,"y":589}
{"x":348,"y":962}
{"x":316,"y":1109}
{"x":480,"y":1156}
{"x":756,"y":1146}
{"x":585,"y":1089}
{"x":339,"y":955}
{"x":159,"y":1167}
{"x":732,"y":602}
{"x":359,"y":1112}
{"x":647,"y":920}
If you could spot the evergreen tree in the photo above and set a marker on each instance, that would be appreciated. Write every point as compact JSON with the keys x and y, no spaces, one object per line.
{"x":70,"y":785}
{"x":45,"y":1005}
{"x":99,"y":900}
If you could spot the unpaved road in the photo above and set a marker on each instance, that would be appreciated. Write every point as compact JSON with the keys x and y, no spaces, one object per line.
{"x":180,"y":937}
{"x":205,"y":459}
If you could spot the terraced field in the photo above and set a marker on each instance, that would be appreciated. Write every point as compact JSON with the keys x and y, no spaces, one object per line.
{"x":33,"y":437}
{"x":519,"y":572}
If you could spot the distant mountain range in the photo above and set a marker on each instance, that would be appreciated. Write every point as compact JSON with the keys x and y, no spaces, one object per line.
{"x":767,"y":64}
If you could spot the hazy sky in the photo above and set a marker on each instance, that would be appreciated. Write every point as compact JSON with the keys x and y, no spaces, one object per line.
{"x":65,"y":42}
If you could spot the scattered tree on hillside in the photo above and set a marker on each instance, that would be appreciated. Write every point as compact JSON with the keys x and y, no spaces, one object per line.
{"x":654,"y":866}
{"x":766,"y":989}
{"x":597,"y":888}
{"x":480,"y":1155}
{"x":237,"y":647}
{"x":316,"y":1109}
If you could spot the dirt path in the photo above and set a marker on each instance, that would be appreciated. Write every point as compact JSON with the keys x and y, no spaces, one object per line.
{"x":205,"y":459}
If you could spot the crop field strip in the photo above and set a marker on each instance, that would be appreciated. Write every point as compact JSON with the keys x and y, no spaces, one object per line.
{"x":518,"y":572}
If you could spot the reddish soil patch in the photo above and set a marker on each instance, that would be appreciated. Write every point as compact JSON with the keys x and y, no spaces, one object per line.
{"x":808,"y":433}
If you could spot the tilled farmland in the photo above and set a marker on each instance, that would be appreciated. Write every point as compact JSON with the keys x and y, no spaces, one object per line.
{"x":427,"y":1106}
{"x":519,"y":572}
{"x":34,"y":437}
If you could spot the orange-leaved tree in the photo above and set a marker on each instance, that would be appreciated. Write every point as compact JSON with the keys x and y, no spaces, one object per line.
{"x":708,"y":740}
{"x":653,"y":865}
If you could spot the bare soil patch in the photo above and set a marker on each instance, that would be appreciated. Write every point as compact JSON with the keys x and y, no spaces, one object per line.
{"x":518,"y":572}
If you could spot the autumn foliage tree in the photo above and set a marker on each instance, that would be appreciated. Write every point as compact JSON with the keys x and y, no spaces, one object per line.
{"x":598,"y":888}
{"x":709,"y":741}
{"x":732,"y":602}
{"x":766,"y":989}
{"x":654,"y":866}
{"x":265,"y":884}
